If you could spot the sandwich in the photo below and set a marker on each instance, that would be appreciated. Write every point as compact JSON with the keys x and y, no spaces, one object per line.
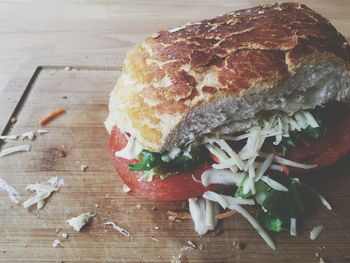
{"x":246,"y":100}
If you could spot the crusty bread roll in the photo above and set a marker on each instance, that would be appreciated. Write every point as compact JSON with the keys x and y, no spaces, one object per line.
{"x":218,"y":75}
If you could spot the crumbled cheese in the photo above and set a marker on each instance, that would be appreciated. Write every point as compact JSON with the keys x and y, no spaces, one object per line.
{"x":64,"y":234}
{"x":8,"y":137}
{"x":56,"y":243}
{"x":56,"y":181}
{"x":15,"y":149}
{"x":126,"y":188}
{"x":316,"y":231}
{"x":83,"y":167}
{"x":226,"y":201}
{"x":42,"y":191}
{"x":132,"y":149}
{"x":119,"y":229}
{"x":293,"y":226}
{"x":12,"y":192}
{"x":215,"y":176}
{"x":197,"y":209}
{"x":171,"y":155}
{"x":78,"y":222}
{"x":42,"y":131}
{"x":28,"y":135}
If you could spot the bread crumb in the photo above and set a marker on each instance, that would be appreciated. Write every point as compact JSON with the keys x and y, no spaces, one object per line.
{"x":62,"y":153}
{"x":78,"y":222}
{"x":56,"y":243}
{"x":64,"y":235}
{"x":238,"y":245}
{"x":126,"y":188}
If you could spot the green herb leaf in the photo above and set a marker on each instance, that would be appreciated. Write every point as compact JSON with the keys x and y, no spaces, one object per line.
{"x":148,"y":161}
{"x":271,"y":221}
{"x":260,"y":186}
{"x":315,"y":133}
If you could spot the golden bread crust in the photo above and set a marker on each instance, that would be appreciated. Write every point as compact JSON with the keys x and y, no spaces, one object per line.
{"x":174,"y":71}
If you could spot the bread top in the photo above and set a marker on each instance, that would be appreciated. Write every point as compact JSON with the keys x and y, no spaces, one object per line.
{"x":178,"y":70}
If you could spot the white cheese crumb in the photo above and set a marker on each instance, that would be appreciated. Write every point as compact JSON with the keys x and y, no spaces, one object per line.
{"x":56,"y":181}
{"x":78,"y":222}
{"x":83,"y":167}
{"x":12,"y":192}
{"x":156,"y":227}
{"x":68,"y":68}
{"x":316,"y":231}
{"x":154,"y":239}
{"x":126,"y":188}
{"x":28,"y":135}
{"x":41,"y":131}
{"x":119,"y":229}
{"x":8,"y":137}
{"x":64,"y":235}
{"x":42,"y":191}
{"x":56,"y":243}
{"x":138,"y":206}
{"x":19,"y":148}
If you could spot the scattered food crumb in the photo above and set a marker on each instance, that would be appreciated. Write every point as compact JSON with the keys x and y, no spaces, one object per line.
{"x":42,"y":191}
{"x":156,"y":227}
{"x":154,"y":239}
{"x":118,"y":228}
{"x":12,"y":192}
{"x":138,"y":206}
{"x":42,"y":131}
{"x":8,"y":137}
{"x":179,"y":259}
{"x":64,"y":234}
{"x":28,"y":135}
{"x":68,"y":68}
{"x":15,"y":149}
{"x":78,"y":222}
{"x":126,"y":188}
{"x":51,"y":116}
{"x":83,"y":167}
{"x":154,"y":208}
{"x":107,"y":195}
{"x":191,"y":243}
{"x":238,"y":245}
{"x":316,"y":231}
{"x":62,"y":153}
{"x":97,"y":205}
{"x":56,"y":243}
{"x":173,"y":215}
{"x":58,"y":230}
{"x":13,"y":120}
{"x":56,"y":181}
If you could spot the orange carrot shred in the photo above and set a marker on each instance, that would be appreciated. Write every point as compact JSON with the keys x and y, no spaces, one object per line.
{"x":285,"y":169}
{"x":51,"y":116}
{"x":214,"y":158}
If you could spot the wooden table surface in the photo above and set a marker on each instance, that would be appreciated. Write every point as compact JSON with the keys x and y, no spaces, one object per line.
{"x":96,"y":31}
{"x":32,"y":28}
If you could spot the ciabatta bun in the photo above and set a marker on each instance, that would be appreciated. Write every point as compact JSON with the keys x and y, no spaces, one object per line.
{"x":218,"y":75}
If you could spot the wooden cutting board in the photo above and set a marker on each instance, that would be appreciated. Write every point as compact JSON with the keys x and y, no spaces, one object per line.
{"x":81,"y":85}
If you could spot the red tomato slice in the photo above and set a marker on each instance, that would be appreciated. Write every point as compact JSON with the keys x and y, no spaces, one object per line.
{"x":329,"y":148}
{"x":179,"y":186}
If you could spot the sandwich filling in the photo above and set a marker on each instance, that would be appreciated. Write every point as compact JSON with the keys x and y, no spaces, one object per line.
{"x":252,"y":161}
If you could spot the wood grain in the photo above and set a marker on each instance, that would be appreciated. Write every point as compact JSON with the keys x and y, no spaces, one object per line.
{"x":27,"y":235}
